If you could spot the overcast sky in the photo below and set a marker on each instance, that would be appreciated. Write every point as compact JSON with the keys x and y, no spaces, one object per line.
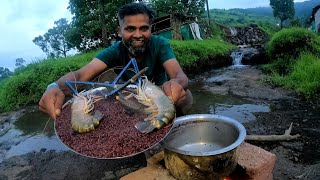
{"x":22,"y":21}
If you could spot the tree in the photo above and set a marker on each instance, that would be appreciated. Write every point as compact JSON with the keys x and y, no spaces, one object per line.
{"x":4,"y":73}
{"x":282,"y":9}
{"x":93,"y":22}
{"x":54,"y":42}
{"x":185,"y":7}
{"x":20,"y":62}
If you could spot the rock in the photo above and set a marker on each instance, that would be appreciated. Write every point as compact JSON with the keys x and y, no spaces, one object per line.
{"x":250,"y":35}
{"x":254,"y":56}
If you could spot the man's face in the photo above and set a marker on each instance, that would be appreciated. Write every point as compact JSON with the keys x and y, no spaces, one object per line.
{"x":135,"y":32}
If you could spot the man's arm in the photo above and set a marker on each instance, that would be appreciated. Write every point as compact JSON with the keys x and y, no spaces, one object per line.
{"x":175,"y":72}
{"x":53,"y":98}
{"x":176,"y":87}
{"x":86,"y":73}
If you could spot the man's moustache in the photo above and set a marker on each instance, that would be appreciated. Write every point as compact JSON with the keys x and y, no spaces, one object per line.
{"x":141,"y":39}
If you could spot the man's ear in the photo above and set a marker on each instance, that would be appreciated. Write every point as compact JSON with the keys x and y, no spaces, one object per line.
{"x":119,"y":32}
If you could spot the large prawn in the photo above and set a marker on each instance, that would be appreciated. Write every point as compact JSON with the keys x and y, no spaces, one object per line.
{"x":83,"y":103}
{"x":82,"y":120}
{"x":160,"y":108}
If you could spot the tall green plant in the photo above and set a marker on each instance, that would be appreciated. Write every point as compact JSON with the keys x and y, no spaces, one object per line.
{"x":185,"y":7}
{"x":93,"y":22}
{"x":54,"y":42}
{"x":282,"y":9}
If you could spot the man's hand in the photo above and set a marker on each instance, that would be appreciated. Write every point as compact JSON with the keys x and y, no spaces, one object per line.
{"x":174,"y":91}
{"x":52,"y":101}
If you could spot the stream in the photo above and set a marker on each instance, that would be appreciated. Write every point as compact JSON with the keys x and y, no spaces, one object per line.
{"x":28,"y":135}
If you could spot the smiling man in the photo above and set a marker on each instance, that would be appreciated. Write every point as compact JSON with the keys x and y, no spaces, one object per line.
{"x":151,"y":51}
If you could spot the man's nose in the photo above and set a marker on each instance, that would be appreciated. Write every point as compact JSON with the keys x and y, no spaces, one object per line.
{"x":137,"y":33}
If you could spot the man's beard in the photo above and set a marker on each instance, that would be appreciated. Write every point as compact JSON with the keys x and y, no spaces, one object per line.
{"x":134,"y":50}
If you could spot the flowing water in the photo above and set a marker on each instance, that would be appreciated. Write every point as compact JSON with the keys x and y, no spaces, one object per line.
{"x":237,"y":57}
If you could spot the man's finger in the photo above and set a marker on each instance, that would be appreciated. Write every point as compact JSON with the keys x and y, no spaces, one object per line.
{"x":58,"y":104}
{"x":167,"y":90}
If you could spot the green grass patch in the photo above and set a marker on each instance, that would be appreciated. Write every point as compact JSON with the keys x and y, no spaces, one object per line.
{"x":304,"y":78}
{"x":189,"y":52}
{"x":287,"y":45}
{"x":27,"y":84}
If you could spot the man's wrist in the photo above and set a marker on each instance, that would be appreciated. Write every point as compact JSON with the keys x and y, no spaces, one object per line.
{"x":53,"y":84}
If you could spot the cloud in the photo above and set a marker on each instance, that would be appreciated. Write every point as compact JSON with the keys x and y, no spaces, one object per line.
{"x":21,"y":22}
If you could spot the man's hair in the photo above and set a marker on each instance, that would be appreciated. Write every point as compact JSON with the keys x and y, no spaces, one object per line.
{"x":135,"y":9}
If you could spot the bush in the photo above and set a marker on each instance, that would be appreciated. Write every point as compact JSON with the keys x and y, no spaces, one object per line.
{"x":290,"y":43}
{"x":27,"y":85}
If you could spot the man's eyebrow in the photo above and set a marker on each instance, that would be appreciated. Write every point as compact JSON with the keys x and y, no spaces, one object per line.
{"x":130,"y":27}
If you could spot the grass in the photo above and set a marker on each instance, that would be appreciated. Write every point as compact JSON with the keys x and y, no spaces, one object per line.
{"x":304,"y":78}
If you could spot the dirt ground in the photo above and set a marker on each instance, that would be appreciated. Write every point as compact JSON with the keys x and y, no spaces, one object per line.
{"x":293,"y":157}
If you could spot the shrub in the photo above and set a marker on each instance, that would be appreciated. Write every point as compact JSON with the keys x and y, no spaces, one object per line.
{"x":290,"y":43}
{"x":27,"y":85}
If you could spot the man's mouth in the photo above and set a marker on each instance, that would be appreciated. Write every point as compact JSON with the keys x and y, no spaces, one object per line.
{"x":137,"y":42}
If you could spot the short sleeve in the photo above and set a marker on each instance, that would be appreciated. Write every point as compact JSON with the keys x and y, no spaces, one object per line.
{"x":166,"y":50}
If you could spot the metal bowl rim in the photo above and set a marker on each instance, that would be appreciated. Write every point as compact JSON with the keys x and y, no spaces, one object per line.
{"x":207,"y":117}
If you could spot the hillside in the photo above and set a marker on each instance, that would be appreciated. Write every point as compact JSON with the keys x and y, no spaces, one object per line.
{"x":302,"y":10}
{"x":237,"y":17}
{"x":260,"y":15}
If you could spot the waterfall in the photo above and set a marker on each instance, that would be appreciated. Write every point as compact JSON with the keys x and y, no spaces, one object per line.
{"x":237,"y":58}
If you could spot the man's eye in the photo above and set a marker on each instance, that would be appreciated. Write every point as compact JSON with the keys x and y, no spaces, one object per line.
{"x":144,"y":28}
{"x":130,"y":29}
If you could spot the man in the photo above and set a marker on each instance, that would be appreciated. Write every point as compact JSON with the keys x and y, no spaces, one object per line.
{"x":151,"y":51}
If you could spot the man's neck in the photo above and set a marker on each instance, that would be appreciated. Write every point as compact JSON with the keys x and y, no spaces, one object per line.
{"x":138,"y":58}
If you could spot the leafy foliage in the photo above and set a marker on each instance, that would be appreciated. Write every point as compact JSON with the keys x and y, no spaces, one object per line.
{"x":4,"y":73}
{"x":53,"y":42}
{"x":185,"y":7}
{"x":20,"y":62}
{"x":283,"y":9}
{"x":93,"y":22}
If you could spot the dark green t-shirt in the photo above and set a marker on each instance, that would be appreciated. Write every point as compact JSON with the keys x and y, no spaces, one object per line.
{"x":157,"y":52}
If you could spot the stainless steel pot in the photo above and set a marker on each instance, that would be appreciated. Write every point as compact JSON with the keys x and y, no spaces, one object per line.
{"x":203,"y":146}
